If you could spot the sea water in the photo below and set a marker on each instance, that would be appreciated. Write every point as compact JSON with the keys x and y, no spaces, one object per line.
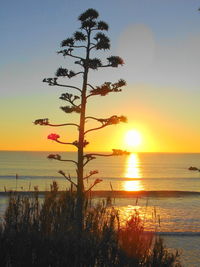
{"x":176,"y":218}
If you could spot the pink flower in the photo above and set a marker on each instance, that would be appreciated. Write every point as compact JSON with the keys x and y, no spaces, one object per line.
{"x":53,"y":136}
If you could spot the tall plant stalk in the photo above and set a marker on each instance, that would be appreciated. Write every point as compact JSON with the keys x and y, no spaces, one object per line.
{"x":89,"y":38}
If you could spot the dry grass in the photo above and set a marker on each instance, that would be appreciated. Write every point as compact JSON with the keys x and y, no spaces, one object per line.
{"x":44,"y":233}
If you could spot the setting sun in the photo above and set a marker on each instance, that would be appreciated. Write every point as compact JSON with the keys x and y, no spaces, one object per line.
{"x":133,"y":138}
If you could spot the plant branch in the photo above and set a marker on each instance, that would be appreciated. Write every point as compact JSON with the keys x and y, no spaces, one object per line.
{"x":94,"y":129}
{"x":69,"y":86}
{"x":108,"y":121}
{"x":70,"y":98}
{"x":45,"y":122}
{"x":116,"y":152}
{"x":88,"y":159}
{"x":58,"y":157}
{"x":90,"y":86}
{"x":70,"y":55}
{"x":90,"y":174}
{"x":64,"y":124}
{"x":99,"y":155}
{"x":107,"y":88}
{"x":93,"y":118}
{"x":68,"y":178}
{"x":79,"y":46}
{"x":97,"y":181}
{"x":67,"y":52}
{"x":65,"y":143}
{"x":92,"y":47}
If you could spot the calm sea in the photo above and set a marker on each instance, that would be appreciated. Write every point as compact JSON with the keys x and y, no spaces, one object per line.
{"x":176,"y":218}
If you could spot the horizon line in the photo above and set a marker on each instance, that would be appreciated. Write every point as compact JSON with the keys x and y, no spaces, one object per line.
{"x":107,"y":151}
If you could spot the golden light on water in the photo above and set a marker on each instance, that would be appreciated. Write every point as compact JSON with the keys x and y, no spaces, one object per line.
{"x":133,"y":185}
{"x":133,"y":171}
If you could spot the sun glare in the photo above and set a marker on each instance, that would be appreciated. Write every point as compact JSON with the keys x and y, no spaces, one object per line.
{"x":133,"y":138}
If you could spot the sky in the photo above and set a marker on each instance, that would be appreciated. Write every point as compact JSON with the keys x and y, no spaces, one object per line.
{"x":159,"y":41}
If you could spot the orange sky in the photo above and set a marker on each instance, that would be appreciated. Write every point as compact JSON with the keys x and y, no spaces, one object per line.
{"x":160,"y":46}
{"x":161,"y":129}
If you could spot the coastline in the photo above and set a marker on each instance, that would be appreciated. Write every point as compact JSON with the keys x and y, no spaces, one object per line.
{"x":120,"y":194}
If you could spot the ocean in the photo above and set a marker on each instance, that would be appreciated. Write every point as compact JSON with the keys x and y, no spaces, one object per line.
{"x":175,"y":216}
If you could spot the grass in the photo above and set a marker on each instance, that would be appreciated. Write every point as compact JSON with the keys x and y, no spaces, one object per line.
{"x":44,"y":233}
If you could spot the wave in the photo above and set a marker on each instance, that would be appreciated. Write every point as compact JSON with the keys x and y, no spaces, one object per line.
{"x":24,"y":177}
{"x":144,"y":193}
{"x":117,"y":179}
{"x":181,"y":234}
{"x":128,"y":194}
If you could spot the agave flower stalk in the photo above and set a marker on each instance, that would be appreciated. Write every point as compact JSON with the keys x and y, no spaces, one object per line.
{"x":89,"y":37}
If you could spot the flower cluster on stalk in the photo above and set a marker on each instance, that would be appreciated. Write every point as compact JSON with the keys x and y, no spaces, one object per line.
{"x":53,"y":136}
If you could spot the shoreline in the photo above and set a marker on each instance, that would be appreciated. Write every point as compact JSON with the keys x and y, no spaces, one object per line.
{"x":119,"y":194}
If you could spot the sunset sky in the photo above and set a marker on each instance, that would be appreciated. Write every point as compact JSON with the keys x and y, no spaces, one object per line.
{"x":160,"y":44}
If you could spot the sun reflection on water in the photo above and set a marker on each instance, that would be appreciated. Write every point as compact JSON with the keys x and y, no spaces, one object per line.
{"x":133,"y":171}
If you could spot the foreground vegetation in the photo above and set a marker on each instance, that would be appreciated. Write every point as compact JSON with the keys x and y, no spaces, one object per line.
{"x":45,"y":233}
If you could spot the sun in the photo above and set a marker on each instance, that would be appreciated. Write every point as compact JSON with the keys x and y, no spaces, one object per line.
{"x":133,"y":138}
